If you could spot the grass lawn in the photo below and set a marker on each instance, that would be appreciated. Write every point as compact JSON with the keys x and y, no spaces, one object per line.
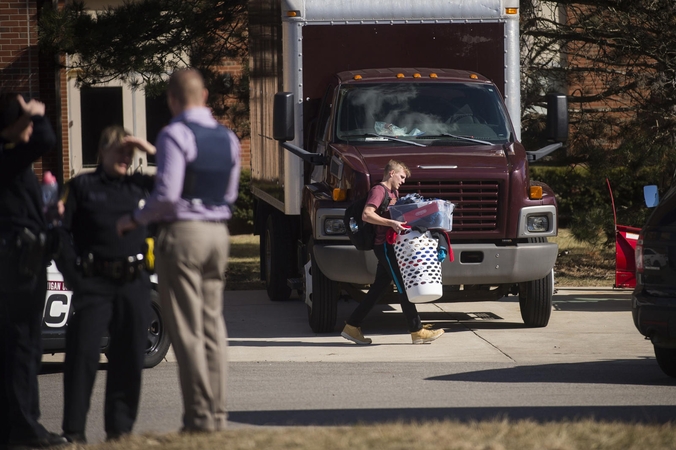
{"x":442,"y":435}
{"x":580,"y":264}
{"x":243,"y":271}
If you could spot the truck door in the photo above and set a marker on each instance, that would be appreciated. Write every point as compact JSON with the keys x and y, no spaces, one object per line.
{"x":319,"y":140}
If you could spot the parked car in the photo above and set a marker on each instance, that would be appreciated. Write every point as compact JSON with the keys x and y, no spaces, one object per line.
{"x":653,"y":301}
{"x":58,"y":310}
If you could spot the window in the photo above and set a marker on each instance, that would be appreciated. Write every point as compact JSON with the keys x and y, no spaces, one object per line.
{"x":158,"y":116}
{"x":100,"y":107}
{"x":91,"y":109}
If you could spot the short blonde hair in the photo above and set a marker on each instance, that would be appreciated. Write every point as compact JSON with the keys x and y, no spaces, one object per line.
{"x":393,"y":164}
{"x":111,"y":136}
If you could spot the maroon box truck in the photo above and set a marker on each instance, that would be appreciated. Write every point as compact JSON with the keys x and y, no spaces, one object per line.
{"x":338,"y":88}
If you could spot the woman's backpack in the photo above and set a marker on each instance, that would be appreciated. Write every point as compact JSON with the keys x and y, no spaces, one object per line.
{"x":362,"y":234}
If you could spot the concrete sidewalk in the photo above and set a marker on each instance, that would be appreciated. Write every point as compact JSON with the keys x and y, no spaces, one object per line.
{"x":584,"y":322}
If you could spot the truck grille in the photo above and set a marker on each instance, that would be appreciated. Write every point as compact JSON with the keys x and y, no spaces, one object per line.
{"x":476,"y":202}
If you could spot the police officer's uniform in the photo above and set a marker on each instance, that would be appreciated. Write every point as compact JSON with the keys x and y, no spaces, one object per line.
{"x":23,"y":286}
{"x":111,"y":293}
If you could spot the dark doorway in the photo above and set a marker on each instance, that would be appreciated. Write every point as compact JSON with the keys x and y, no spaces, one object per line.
{"x":157,"y":117}
{"x":100,"y":107}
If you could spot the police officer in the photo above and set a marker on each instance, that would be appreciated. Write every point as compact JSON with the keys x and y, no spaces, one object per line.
{"x":25,"y":135}
{"x":111,"y":289}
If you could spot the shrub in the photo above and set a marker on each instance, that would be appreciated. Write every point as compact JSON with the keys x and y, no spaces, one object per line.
{"x":584,"y":201}
{"x":242,"y":219}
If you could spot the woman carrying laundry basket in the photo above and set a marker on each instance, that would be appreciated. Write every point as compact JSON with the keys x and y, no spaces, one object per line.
{"x":388,"y":270}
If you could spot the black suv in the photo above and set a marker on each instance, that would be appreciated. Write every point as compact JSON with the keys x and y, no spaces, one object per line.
{"x":653,"y":302}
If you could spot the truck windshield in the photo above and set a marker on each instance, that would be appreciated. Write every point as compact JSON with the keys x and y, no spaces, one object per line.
{"x":457,"y":113}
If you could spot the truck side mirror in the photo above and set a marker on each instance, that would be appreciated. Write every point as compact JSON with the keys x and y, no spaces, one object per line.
{"x":557,"y":117}
{"x":283,"y":126}
{"x":651,"y":195}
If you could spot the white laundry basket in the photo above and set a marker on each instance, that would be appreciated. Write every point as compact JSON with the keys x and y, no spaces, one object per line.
{"x":420,"y":268}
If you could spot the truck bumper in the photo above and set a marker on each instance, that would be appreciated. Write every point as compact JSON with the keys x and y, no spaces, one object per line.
{"x":473,"y":264}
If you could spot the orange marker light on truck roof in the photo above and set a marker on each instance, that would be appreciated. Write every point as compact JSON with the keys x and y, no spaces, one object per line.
{"x":416,"y":75}
{"x":356,"y":77}
{"x":474,"y":76}
{"x":400,"y":75}
{"x":292,"y":13}
{"x":511,"y":10}
{"x":433,"y":75}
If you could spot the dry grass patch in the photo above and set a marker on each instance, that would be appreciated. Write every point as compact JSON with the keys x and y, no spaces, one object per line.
{"x":243,"y":271}
{"x":490,"y":435}
{"x":582,"y":264}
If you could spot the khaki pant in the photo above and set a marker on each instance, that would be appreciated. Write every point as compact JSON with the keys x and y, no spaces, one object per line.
{"x":191,"y":260}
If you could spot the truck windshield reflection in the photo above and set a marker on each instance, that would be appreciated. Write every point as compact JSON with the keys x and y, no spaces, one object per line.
{"x":464,"y":113}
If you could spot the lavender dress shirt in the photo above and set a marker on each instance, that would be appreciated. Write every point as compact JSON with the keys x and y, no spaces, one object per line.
{"x":176,"y":147}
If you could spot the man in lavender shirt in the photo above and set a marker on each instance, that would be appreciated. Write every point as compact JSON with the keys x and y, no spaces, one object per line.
{"x":198,"y":169}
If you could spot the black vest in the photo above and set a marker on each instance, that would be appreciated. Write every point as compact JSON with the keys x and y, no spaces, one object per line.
{"x":208,"y":175}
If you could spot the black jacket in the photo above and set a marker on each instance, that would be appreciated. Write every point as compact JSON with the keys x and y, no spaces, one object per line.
{"x":20,"y":195}
{"x":94,"y":202}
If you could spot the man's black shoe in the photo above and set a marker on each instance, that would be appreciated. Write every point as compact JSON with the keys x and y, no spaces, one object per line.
{"x":75,"y":438}
{"x":51,"y":440}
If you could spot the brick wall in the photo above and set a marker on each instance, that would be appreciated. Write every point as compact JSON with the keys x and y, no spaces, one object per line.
{"x":593,"y":79}
{"x":18,"y":47}
{"x":25,"y":70}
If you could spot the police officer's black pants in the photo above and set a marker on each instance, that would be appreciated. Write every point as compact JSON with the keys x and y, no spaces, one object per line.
{"x":22,"y":300}
{"x":387,"y":271}
{"x":122,"y":310}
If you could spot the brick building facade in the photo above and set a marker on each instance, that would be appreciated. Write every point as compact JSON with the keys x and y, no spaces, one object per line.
{"x":27,"y":70}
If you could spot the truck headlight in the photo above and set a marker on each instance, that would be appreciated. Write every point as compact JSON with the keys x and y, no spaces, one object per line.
{"x":537,"y":224}
{"x":537,"y":221}
{"x":334,"y":226}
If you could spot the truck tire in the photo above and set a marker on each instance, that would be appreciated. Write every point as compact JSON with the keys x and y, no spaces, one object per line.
{"x":278,"y":257}
{"x":666,"y":358}
{"x":158,"y":337}
{"x":324,"y":295}
{"x":535,"y":300}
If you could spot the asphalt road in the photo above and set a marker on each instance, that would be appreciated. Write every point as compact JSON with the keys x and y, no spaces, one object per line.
{"x":589,"y":362}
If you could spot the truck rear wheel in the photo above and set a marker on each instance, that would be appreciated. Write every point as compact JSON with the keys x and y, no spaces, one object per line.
{"x":666,"y":358}
{"x":322,"y":309}
{"x":535,"y":300}
{"x":278,"y":258}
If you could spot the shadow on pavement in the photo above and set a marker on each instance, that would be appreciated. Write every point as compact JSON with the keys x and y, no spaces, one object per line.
{"x":592,"y":304}
{"x":637,"y":372}
{"x":631,"y":414}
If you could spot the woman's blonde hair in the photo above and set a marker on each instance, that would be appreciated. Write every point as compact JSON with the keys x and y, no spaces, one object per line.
{"x":111,"y":136}
{"x":393,"y":164}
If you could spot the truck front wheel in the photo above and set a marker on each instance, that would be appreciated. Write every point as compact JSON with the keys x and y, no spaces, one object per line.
{"x":535,"y":300}
{"x":323,"y":293}
{"x":277,"y":257}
